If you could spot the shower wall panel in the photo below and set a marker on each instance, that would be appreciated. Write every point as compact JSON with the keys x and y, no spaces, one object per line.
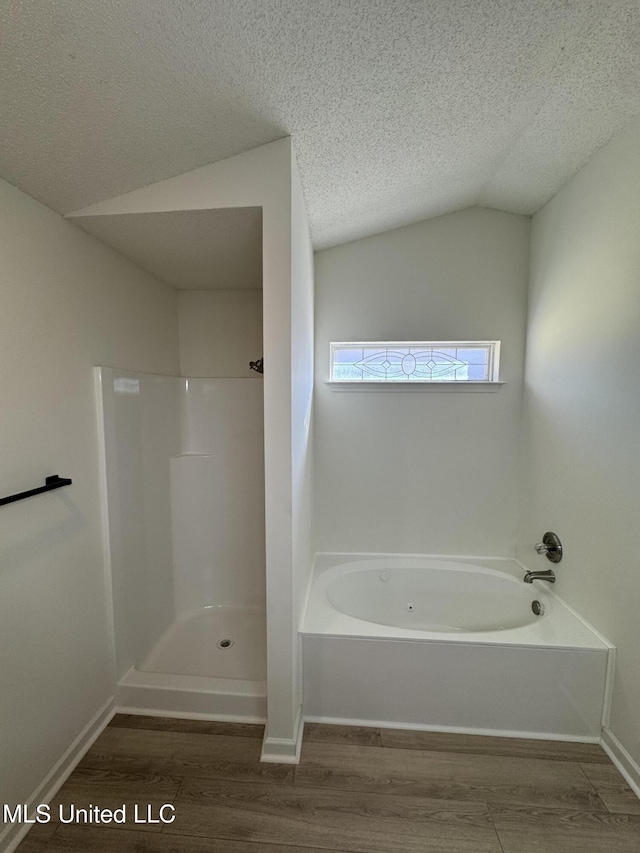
{"x":185,"y":488}
{"x":142,"y":430}
{"x":198,"y":531}
{"x":218,"y":495}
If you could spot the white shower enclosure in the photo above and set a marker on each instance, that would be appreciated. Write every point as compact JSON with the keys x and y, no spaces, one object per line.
{"x":184,"y":479}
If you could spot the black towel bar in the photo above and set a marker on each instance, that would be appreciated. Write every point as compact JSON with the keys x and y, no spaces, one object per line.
{"x":51,"y":483}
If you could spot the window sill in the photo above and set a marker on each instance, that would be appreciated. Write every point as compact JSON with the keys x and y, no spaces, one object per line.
{"x":415,"y":386}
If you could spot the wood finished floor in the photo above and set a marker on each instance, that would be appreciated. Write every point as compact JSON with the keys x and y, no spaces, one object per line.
{"x":356,"y":790}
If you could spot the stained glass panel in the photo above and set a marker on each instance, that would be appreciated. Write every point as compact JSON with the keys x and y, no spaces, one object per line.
{"x":405,"y":361}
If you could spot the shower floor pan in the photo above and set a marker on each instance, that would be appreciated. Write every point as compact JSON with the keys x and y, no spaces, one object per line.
{"x":211,"y":664}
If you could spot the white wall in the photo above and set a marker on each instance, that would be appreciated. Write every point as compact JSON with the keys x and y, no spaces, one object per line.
{"x":422,"y":471}
{"x":68,"y":303}
{"x":581,"y":474}
{"x":220,"y":332}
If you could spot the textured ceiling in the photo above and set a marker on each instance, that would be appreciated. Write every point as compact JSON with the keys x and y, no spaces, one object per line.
{"x":398,"y":109}
{"x":190,"y":249}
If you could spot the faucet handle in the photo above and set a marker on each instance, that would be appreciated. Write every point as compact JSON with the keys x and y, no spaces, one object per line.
{"x":550,"y":547}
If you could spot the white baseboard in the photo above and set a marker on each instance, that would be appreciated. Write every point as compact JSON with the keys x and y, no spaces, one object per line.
{"x":621,"y":758}
{"x":276,"y":750}
{"x":55,"y":779}
{"x":453,"y":730}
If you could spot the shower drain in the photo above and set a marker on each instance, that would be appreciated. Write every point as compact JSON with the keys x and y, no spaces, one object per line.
{"x":225,"y":644}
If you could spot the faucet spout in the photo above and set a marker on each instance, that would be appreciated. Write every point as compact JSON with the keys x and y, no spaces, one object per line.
{"x":547,"y":575}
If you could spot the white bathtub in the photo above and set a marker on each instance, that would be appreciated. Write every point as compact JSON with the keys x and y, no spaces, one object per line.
{"x":425,"y":598}
{"x":432,"y":596}
{"x":448,"y":643}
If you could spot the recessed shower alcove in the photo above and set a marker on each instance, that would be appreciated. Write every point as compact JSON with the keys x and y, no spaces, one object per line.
{"x":184,"y":475}
{"x":208,"y":473}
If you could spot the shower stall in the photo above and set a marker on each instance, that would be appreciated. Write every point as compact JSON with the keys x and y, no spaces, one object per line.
{"x":184,"y":475}
{"x":208,"y":474}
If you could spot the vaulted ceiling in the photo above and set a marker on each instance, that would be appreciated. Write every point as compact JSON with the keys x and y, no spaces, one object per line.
{"x":399,"y":109}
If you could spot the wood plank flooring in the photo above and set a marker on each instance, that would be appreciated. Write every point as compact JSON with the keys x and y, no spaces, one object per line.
{"x":356,"y":790}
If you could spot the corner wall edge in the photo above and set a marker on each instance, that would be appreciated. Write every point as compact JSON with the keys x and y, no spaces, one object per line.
{"x":284,"y":750}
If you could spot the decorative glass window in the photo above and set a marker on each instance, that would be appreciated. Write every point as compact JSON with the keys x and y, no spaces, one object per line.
{"x":415,"y":361}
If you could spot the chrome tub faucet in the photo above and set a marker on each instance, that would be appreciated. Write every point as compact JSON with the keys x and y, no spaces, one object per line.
{"x":551,"y":548}
{"x":547,"y":575}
